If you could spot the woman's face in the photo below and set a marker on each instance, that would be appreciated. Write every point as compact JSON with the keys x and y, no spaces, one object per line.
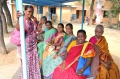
{"x":81,"y":38}
{"x":98,"y":32}
{"x":29,"y":12}
{"x":68,"y":30}
{"x":42,"y":21}
{"x":60,"y":28}
{"x":48,"y":25}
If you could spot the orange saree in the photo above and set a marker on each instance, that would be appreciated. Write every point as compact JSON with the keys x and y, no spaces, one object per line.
{"x":104,"y":55}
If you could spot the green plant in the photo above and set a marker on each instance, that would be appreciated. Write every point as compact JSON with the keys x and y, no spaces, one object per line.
{"x":115,"y":9}
{"x":113,"y":12}
{"x":87,"y":2}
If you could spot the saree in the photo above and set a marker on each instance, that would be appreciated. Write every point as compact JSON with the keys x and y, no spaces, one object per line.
{"x":104,"y":55}
{"x":33,"y":69}
{"x":50,"y":48}
{"x":42,"y":45}
{"x":53,"y":63}
{"x":69,"y":71}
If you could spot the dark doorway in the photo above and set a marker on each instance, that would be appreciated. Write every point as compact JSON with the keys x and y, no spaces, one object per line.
{"x":52,"y":11}
{"x":78,"y":14}
{"x":84,"y":13}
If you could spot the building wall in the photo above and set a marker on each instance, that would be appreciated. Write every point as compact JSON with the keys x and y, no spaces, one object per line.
{"x":14,"y":17}
{"x":106,"y":7}
{"x":45,"y":10}
{"x":67,"y":12}
{"x":35,"y":12}
{"x":106,"y":19}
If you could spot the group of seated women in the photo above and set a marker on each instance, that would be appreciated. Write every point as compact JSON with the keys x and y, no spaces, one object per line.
{"x":61,"y":54}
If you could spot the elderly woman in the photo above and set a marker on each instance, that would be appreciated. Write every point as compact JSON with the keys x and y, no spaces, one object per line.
{"x":107,"y":67}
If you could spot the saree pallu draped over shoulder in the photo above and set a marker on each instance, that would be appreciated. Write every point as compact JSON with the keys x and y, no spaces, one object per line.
{"x":53,"y":63}
{"x":105,"y":56}
{"x":69,"y":72}
{"x":42,"y":45}
{"x":50,"y":49}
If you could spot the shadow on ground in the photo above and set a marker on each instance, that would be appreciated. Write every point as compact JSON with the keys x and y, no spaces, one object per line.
{"x":16,"y":75}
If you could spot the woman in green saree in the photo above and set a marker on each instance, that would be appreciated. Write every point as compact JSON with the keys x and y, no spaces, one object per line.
{"x":49,"y":34}
{"x":52,"y":61}
{"x":54,"y":45}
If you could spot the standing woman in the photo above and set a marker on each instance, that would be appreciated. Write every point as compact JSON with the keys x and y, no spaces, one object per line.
{"x":31,"y":44}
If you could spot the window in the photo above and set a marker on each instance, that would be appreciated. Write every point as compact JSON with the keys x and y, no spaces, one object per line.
{"x":77,"y":12}
{"x":84,"y":12}
{"x":105,"y":14}
{"x":53,"y":10}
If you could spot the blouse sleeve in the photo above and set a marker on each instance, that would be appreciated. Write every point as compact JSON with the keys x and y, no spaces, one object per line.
{"x":89,"y":52}
{"x":93,"y":40}
{"x":66,"y":43}
{"x":73,"y":43}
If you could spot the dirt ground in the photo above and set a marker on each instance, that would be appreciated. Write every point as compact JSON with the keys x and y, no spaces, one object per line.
{"x":10,"y":63}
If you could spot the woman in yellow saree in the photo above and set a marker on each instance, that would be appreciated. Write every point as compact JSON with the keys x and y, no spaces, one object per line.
{"x":107,"y":68}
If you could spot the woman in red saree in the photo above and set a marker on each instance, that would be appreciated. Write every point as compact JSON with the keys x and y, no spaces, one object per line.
{"x":67,"y":70}
{"x":107,"y":68}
